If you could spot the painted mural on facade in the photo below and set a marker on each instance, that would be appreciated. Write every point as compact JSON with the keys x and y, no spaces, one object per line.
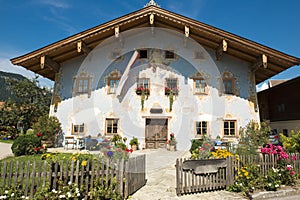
{"x":174,"y":85}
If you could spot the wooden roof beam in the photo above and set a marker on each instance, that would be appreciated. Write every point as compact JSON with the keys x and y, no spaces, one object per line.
{"x":221,"y":48}
{"x":261,"y":61}
{"x":48,"y":62}
{"x":82,"y":47}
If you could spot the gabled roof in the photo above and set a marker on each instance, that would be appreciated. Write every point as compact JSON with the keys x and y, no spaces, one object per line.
{"x":207,"y":36}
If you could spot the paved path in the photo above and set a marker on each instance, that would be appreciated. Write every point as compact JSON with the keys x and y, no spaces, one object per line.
{"x":5,"y":150}
{"x":161,"y":182}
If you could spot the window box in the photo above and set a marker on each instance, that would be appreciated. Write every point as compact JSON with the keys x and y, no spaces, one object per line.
{"x":140,"y":90}
{"x":168,"y":91}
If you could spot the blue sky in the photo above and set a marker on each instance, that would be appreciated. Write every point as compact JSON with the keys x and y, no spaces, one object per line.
{"x":26,"y":25}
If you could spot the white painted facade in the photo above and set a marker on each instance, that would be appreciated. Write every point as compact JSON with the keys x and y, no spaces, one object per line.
{"x":188,"y":108}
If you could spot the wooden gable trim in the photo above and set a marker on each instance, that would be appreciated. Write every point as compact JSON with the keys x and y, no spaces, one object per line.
{"x":206,"y":35}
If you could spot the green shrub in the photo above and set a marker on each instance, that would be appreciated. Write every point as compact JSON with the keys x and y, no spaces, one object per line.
{"x":49,"y":127}
{"x":196,"y":143}
{"x":292,"y":142}
{"x":26,"y":145}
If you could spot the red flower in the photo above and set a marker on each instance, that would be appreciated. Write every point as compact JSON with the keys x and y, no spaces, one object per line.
{"x":276,"y":137}
{"x":36,"y":149}
{"x":167,"y":89}
{"x":294,"y":158}
{"x":128,"y":150}
{"x":172,"y":135}
{"x":39,"y":134}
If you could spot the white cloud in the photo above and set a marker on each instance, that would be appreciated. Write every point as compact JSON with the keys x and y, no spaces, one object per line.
{"x":6,"y":66}
{"x":55,"y":3}
{"x":262,"y":86}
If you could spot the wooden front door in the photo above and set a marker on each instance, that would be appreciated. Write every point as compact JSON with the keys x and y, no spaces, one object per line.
{"x":156,"y":133}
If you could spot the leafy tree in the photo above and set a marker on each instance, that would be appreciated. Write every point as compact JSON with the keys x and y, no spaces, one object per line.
{"x":49,"y":127}
{"x":29,"y":104}
{"x":252,"y":137}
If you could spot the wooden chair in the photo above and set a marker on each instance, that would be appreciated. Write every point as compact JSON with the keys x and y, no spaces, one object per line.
{"x":70,"y":140}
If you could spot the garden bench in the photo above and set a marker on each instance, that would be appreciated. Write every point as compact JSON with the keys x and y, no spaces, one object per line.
{"x":70,"y":140}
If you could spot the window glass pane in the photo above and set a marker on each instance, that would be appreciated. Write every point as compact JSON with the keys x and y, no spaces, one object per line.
{"x":226,"y":132}
{"x":231,"y":124}
{"x":225,"y":124}
{"x":204,"y":124}
{"x":169,"y":55}
{"x":143,"y":53}
{"x":75,"y":128}
{"x":232,"y":131}
{"x":198,"y":130}
{"x":81,"y":130}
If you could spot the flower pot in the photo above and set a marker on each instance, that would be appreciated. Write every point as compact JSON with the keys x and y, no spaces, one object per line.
{"x":172,"y":148}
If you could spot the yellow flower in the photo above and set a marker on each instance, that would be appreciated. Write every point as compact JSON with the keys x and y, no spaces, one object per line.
{"x":48,"y":155}
{"x":84,"y":163}
{"x":73,"y":158}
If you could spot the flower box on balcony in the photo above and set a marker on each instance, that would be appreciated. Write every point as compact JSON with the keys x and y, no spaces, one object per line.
{"x":140,"y":90}
{"x":168,"y":91}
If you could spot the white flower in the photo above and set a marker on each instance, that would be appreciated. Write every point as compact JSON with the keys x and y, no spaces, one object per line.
{"x":69,"y":183}
{"x":69,"y":194}
{"x":23,"y":197}
{"x":78,"y":194}
{"x":270,"y":184}
{"x":77,"y":190}
{"x":277,"y":185}
{"x":62,"y":196}
{"x":27,"y":198}
{"x":12,"y":194}
{"x":241,"y":184}
{"x":54,"y":191}
{"x":279,"y":174}
{"x":6,"y":192}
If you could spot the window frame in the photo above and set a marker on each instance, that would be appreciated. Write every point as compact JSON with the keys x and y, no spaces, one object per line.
{"x":229,"y":121}
{"x":115,"y":79}
{"x":201,"y":127}
{"x":200,"y":88}
{"x":171,"y":88}
{"x":107,"y":120}
{"x":142,"y":84}
{"x":167,"y":53}
{"x":80,"y":127}
{"x":147,"y":51}
{"x":226,"y":82}
{"x":85,"y":87}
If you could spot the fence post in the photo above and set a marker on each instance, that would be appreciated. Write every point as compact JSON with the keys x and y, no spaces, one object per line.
{"x":178,"y":177}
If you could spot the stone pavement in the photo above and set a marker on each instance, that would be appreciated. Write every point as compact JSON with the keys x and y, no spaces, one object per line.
{"x":5,"y":150}
{"x":161,"y":183}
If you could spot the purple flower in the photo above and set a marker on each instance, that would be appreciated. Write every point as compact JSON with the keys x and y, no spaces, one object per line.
{"x":110,"y":154}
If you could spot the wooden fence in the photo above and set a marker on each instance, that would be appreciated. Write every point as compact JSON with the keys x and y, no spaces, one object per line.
{"x":187,"y":181}
{"x":129,"y":175}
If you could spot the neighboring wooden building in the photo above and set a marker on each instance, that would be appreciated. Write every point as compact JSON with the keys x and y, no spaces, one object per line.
{"x":100,"y":74}
{"x":280,"y":106}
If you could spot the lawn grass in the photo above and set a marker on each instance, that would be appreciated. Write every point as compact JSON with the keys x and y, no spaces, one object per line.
{"x":7,"y":141}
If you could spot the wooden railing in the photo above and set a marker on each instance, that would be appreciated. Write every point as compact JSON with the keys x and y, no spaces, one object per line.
{"x":187,"y":181}
{"x":130,"y":175}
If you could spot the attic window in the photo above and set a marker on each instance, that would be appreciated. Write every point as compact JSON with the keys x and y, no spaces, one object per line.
{"x":143,"y":53}
{"x":169,"y":55}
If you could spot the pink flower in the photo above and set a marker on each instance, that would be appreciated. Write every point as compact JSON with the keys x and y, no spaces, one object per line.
{"x":294,"y":158}
{"x":292,"y":173}
{"x":288,"y":167}
{"x":201,"y":148}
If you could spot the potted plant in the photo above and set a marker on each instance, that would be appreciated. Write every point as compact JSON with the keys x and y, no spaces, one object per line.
{"x":172,"y":142}
{"x":134,"y":143}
